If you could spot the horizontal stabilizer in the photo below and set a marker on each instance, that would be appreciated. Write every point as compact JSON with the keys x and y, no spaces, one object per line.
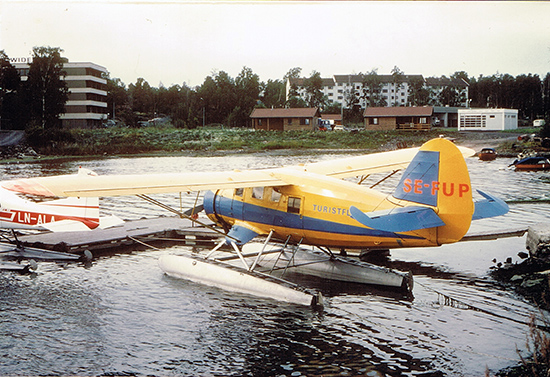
{"x":403,"y":219}
{"x":491,"y":206}
{"x":241,"y":234}
{"x":110,"y":221}
{"x":65,"y":226}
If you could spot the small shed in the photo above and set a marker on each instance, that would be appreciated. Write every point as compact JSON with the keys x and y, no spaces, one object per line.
{"x":398,"y":118}
{"x":285,"y":119}
{"x":487,"y":119}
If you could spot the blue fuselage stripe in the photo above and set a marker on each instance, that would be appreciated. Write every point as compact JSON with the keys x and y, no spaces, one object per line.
{"x":239,"y":210}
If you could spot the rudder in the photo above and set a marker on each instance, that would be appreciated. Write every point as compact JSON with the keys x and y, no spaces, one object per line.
{"x":438,"y":177}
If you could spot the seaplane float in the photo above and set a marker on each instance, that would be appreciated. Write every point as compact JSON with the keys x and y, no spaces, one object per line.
{"x":318,"y":204}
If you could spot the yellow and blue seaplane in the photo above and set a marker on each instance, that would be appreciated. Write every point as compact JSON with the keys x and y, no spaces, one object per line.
{"x":313,"y":204}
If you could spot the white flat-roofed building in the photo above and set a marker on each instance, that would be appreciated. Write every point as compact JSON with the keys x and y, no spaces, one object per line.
{"x":487,"y":119}
{"x":87,"y":103}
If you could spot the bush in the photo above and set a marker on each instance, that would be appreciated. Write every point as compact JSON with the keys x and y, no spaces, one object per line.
{"x":47,"y":140}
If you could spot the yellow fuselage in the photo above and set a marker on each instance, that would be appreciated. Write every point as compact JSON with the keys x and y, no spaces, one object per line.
{"x":316,"y":215}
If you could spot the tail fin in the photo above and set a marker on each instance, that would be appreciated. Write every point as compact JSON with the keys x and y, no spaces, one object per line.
{"x":82,"y":210}
{"x":438,"y":177}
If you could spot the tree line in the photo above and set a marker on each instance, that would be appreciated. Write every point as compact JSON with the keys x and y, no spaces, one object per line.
{"x":38,"y":102}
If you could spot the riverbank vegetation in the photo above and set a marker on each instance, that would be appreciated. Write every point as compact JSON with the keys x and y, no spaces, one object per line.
{"x":169,"y":139}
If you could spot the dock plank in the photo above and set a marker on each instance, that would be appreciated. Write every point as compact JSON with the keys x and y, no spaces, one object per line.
{"x":155,"y":229}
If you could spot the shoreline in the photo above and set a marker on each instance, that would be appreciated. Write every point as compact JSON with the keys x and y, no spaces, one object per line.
{"x":98,"y":144}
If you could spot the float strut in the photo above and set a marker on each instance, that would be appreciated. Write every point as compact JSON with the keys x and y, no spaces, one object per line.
{"x":218,"y":246}
{"x":261,"y":251}
{"x":236,"y":248}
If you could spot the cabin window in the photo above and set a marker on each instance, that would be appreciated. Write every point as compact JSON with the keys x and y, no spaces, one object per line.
{"x":275,"y":196}
{"x":258,"y":192}
{"x":239,"y":192}
{"x":294,"y":205}
{"x":289,"y":121}
{"x":423,"y":120}
{"x":373,"y":121}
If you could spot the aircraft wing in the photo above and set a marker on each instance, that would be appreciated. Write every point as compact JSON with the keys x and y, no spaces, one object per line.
{"x":369,"y":164}
{"x":117,"y":185}
{"x":88,"y":184}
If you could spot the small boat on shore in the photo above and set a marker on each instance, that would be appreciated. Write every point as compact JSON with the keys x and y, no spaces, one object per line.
{"x":532,"y":163}
{"x":487,"y":154}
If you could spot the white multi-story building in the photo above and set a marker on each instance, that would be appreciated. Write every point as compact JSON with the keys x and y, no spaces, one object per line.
{"x":438,"y":84}
{"x":87,"y":103}
{"x":327,"y":87}
{"x":341,"y":88}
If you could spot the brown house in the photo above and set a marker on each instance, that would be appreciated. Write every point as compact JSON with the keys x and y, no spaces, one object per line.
{"x":398,"y":118}
{"x":285,"y":119}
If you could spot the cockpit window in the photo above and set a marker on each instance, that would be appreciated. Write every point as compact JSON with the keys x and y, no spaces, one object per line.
{"x":275,"y":196}
{"x":239,"y":192}
{"x":258,"y":192}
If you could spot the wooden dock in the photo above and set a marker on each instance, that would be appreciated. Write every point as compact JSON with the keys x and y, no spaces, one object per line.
{"x":151,"y":231}
{"x":161,"y":232}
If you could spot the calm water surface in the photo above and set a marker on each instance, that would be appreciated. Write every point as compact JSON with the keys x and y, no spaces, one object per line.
{"x":122,"y":315}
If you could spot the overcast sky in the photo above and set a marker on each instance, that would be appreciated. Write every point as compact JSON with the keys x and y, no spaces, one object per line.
{"x":176,"y":42}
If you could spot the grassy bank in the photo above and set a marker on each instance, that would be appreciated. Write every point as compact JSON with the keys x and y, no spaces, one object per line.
{"x":121,"y":141}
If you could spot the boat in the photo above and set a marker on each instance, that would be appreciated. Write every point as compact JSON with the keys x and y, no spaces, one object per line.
{"x":532,"y":163}
{"x":487,"y":154}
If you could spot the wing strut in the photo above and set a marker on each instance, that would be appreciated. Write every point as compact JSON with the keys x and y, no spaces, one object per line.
{"x":184,"y":215}
{"x":383,"y":179}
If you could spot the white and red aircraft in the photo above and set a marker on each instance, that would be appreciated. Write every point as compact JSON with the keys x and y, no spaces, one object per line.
{"x":60,"y":215}
{"x":312,"y":204}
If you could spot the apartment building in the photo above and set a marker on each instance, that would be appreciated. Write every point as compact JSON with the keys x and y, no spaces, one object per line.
{"x":87,"y":103}
{"x":438,"y":85}
{"x":342,"y":89}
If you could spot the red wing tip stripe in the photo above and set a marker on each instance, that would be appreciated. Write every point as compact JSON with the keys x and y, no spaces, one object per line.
{"x":27,"y":187}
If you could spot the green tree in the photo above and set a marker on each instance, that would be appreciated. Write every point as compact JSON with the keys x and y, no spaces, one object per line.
{"x":449,"y":96}
{"x":117,"y":97}
{"x":272,"y":93}
{"x":398,"y":78}
{"x":546,"y":98}
{"x":9,"y":94}
{"x":141,"y":97}
{"x":293,"y":73}
{"x":314,"y":94}
{"x":460,"y":75}
{"x":225,"y":99}
{"x":247,"y":85}
{"x":372,"y":89}
{"x":529,"y":95}
{"x":45,"y":91}
{"x":418,"y":94}
{"x":524,"y":92}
